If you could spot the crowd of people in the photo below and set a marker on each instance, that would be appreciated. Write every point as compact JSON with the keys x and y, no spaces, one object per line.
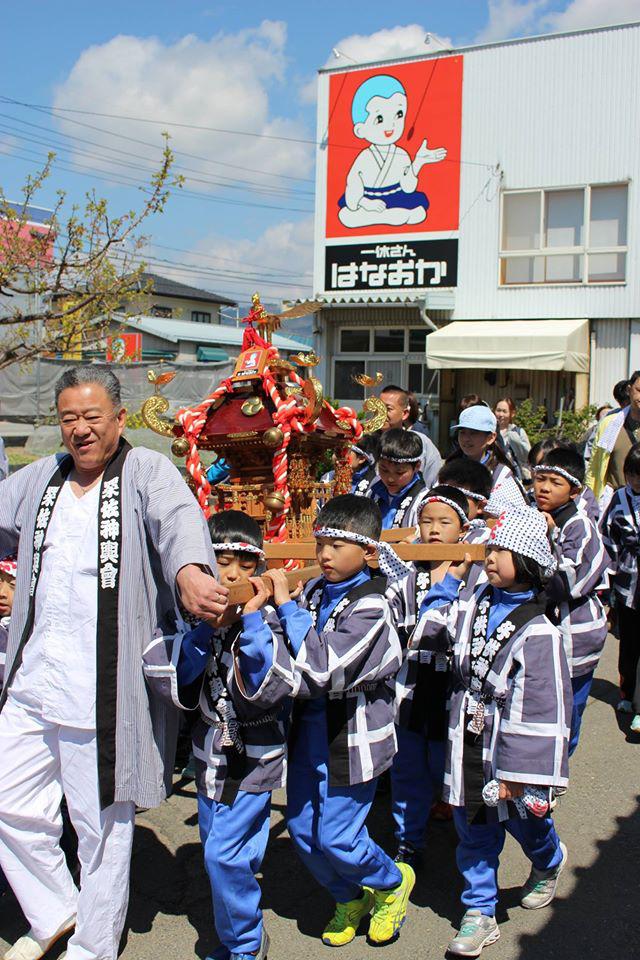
{"x":466,"y":680}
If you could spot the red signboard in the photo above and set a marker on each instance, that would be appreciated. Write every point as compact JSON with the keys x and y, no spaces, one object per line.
{"x":124,"y":348}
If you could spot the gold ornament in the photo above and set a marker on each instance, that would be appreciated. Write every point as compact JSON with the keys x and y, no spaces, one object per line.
{"x":305,"y":359}
{"x":252,"y":406}
{"x":180,"y":447}
{"x":151,"y":415}
{"x":366,"y":381}
{"x":272,"y":438}
{"x":378,"y":414}
{"x":312,"y":392}
{"x":274,"y":501}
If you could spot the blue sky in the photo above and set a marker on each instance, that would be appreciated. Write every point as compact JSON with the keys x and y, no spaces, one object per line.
{"x":244,"y":220}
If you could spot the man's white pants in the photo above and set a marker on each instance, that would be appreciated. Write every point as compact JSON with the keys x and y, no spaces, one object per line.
{"x":39,"y":761}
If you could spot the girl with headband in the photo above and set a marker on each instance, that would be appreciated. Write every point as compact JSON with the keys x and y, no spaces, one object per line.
{"x":239,"y":747}
{"x":509,"y":712}
{"x":422,"y":683}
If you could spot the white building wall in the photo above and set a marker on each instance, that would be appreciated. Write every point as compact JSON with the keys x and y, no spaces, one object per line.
{"x":609,"y":358}
{"x":557,"y":111}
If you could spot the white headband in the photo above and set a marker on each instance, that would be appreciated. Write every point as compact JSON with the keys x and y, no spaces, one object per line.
{"x":478,"y":497}
{"x":545,"y":468}
{"x":239,"y":547}
{"x":524,"y":530}
{"x":385,"y":456}
{"x":390,"y":563}
{"x":363,"y":453}
{"x":436,"y":498}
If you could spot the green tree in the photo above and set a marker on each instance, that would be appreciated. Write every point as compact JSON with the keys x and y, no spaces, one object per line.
{"x":60,"y":288}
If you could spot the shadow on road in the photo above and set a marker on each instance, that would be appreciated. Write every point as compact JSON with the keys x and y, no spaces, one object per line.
{"x":600,"y":917}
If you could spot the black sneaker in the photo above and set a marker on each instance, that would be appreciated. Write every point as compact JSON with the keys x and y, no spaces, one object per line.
{"x":408,"y":854}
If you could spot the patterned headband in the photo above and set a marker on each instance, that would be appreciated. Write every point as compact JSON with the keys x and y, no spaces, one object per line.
{"x":239,"y":547}
{"x":469,"y":494}
{"x":363,"y":453}
{"x":545,"y":468}
{"x":10,"y":565}
{"x":497,"y":505}
{"x":525,"y":532}
{"x":450,"y":503}
{"x":384,"y":456}
{"x":390,"y":563}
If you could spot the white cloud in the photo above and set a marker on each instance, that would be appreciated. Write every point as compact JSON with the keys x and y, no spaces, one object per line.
{"x":282,"y":254}
{"x":592,"y":13}
{"x":224,"y":82}
{"x":391,"y":44}
{"x":508,"y":18}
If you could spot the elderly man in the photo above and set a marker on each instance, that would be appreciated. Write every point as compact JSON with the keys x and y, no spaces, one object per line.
{"x":398,"y":404}
{"x":615,"y":435}
{"x":109,"y":539}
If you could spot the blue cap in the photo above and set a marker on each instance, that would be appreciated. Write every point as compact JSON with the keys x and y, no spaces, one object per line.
{"x":477,"y":417}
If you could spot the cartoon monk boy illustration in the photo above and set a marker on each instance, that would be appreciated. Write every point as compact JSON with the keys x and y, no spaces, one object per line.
{"x":381,"y":185}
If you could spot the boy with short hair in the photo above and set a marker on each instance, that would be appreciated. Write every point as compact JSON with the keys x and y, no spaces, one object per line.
{"x":341,"y":654}
{"x":473,"y":479}
{"x":582,"y":566}
{"x":400,"y":489}
{"x":621,"y":531}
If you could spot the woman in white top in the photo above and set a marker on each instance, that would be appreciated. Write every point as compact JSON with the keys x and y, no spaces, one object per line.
{"x":514,"y":439}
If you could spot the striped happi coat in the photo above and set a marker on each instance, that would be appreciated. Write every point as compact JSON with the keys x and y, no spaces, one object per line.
{"x":352,"y":661}
{"x":621,"y":532}
{"x":163,"y":530}
{"x":422,"y":682}
{"x":528,"y":693}
{"x":260,"y":728}
{"x":583,"y":564}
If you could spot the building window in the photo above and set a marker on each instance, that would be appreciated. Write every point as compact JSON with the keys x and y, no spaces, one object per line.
{"x":157,"y":310}
{"x":355,"y":341}
{"x":418,"y":340}
{"x":344,"y":387}
{"x":388,"y":340}
{"x":576,"y":235}
{"x":198,"y":316}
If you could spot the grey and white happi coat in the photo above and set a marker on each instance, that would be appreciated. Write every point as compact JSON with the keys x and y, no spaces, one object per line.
{"x":407,"y":513}
{"x":422,"y":682}
{"x":352,"y":661}
{"x":583,"y":567}
{"x":162,"y":530}
{"x":237,"y":744}
{"x":525,"y":692}
{"x":621,"y":533}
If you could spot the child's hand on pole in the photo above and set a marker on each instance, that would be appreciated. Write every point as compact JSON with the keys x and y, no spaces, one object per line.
{"x":510,"y":791}
{"x":260,"y":597}
{"x":460,"y":570}
{"x":281,"y":593}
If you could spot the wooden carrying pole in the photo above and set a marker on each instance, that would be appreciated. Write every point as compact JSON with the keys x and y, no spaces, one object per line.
{"x":306,"y":550}
{"x":242,"y":592}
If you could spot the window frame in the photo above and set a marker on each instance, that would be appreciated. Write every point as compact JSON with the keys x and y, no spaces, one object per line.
{"x":584,"y":252}
{"x":201,"y":313}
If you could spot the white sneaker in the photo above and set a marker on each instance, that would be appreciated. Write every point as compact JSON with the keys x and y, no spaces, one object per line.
{"x":624,"y":706}
{"x":635,"y":724}
{"x":540,"y":888}
{"x":29,"y":948}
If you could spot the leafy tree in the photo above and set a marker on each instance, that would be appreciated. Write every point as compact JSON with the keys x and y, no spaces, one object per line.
{"x":572,"y":427}
{"x":59,"y":287}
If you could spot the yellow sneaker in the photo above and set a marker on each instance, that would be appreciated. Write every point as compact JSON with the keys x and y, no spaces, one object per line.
{"x":390,"y":907}
{"x":343,"y":925}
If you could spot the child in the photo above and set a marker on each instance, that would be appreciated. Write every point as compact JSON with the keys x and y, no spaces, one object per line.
{"x":508,"y":716}
{"x":582,"y":567}
{"x":422,"y":683}
{"x":400,"y":489}
{"x":476,"y":433}
{"x":342,"y":653}
{"x":585,"y":500}
{"x":475,"y":481}
{"x":621,"y":529}
{"x":239,"y":748}
{"x":364,"y":457}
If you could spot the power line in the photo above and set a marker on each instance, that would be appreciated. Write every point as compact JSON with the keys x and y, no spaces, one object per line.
{"x":229,"y":184}
{"x":147,"y":143}
{"x":273,"y":271}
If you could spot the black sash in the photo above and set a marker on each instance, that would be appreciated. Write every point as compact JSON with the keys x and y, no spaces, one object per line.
{"x":109,"y":564}
{"x":482,"y":655}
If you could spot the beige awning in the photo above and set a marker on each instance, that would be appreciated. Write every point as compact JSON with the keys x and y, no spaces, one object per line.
{"x":511,"y":344}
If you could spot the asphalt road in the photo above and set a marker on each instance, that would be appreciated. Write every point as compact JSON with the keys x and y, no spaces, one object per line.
{"x":596,"y":912}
